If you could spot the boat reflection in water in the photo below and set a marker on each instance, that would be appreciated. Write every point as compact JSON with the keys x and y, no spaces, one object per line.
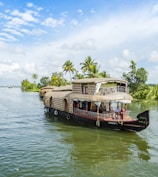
{"x":94,"y":145}
{"x":100,"y":152}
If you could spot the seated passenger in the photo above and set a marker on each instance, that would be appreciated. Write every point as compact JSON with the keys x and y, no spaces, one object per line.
{"x":117,"y":111}
{"x":102,"y":108}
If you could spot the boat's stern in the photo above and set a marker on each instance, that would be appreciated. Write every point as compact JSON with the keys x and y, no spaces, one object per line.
{"x":143,"y":118}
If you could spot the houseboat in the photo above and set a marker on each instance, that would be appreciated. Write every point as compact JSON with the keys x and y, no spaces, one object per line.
{"x":97,"y":102}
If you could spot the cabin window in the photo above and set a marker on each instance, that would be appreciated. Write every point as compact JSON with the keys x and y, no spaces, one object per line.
{"x":121,"y":87}
{"x":84,"y":89}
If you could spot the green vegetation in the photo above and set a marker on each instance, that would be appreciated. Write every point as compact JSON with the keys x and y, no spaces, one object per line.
{"x":69,"y":67}
{"x":28,"y":86}
{"x":90,"y":69}
{"x":136,"y":77}
{"x":57,"y":79}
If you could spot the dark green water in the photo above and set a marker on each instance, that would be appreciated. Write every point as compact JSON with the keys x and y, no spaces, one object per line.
{"x":32,"y":144}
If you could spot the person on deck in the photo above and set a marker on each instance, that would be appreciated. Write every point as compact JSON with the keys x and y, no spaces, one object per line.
{"x":117,"y":111}
{"x":123,"y":112}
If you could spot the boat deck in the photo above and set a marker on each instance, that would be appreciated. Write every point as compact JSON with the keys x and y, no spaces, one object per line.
{"x":105,"y":116}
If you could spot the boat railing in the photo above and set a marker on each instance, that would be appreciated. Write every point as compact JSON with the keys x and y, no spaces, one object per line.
{"x":91,"y":114}
{"x":121,"y":89}
{"x":109,"y":90}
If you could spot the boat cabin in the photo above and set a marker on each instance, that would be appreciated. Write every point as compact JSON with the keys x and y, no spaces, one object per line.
{"x":100,"y":102}
{"x":107,"y":96}
{"x":104,"y":96}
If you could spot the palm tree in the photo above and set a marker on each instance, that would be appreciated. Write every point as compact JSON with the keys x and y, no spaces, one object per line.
{"x":103,"y":74}
{"x":77,"y":75}
{"x":94,"y":72}
{"x":68,"y":67}
{"x":34,"y":76}
{"x":88,"y":64}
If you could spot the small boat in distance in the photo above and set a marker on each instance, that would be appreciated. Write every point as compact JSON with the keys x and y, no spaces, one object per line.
{"x":98,"y":102}
{"x":10,"y":86}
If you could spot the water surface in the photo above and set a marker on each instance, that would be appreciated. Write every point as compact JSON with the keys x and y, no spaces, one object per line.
{"x":33,"y":144}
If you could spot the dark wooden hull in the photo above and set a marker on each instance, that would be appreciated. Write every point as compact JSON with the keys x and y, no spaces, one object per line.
{"x":140,"y":124}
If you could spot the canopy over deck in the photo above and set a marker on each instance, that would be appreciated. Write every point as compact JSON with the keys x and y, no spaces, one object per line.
{"x":119,"y":96}
{"x":98,"y":80}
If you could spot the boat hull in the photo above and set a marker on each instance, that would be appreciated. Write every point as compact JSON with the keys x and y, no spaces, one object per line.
{"x":135,"y":125}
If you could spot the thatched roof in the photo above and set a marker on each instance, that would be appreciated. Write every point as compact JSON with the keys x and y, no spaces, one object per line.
{"x":119,"y":96}
{"x":63,"y":88}
{"x":48,"y":87}
{"x":44,"y":90}
{"x":98,"y":80}
{"x":57,"y":94}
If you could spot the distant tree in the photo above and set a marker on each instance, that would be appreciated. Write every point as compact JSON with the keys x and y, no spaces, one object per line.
{"x":77,"y":75}
{"x":26,"y":85}
{"x":69,"y":67}
{"x":136,"y":77}
{"x":103,"y":74}
{"x":142,"y":92}
{"x":44,"y":81}
{"x":34,"y":76}
{"x":57,"y":79}
{"x":153,"y":93}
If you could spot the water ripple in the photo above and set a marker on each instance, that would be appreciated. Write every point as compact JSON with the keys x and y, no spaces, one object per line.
{"x":33,"y":145}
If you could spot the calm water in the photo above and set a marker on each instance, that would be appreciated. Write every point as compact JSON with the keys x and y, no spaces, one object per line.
{"x":31,"y":144}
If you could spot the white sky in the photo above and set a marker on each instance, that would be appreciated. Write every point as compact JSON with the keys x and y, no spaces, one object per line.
{"x":39,"y":36}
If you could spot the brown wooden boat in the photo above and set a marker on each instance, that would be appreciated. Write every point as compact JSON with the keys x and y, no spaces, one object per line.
{"x":98,"y":102}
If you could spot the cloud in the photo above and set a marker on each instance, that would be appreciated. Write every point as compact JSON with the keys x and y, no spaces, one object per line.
{"x":64,"y":14}
{"x":8,"y":67}
{"x":152,"y":75}
{"x":80,"y":11}
{"x":27,"y":16}
{"x":14,"y":22}
{"x":87,"y":44}
{"x":74,"y":22}
{"x":13,"y":31}
{"x":155,"y":9}
{"x":8,"y":37}
{"x":30,"y":68}
{"x":154,"y":56}
{"x":30,"y":4}
{"x":52,"y":22}
{"x":127,"y":54}
{"x":1,"y":4}
{"x":113,"y":41}
{"x":92,"y":11}
{"x":5,"y":17}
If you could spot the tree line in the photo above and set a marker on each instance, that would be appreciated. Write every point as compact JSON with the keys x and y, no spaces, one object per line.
{"x":136,"y":77}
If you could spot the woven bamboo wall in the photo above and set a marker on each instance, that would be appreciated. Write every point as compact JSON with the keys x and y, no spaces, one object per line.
{"x":77,"y":88}
{"x":46,"y":102}
{"x":58,"y":103}
{"x":59,"y":100}
{"x":70,"y":106}
{"x":91,"y":89}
